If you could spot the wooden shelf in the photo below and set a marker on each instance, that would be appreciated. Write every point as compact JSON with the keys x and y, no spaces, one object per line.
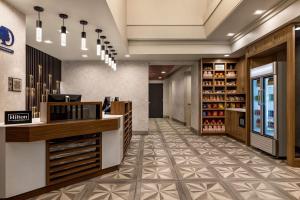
{"x":230,"y":66}
{"x":213,"y":117}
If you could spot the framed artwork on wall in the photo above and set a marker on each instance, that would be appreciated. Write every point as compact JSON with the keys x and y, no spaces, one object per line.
{"x":14,"y":84}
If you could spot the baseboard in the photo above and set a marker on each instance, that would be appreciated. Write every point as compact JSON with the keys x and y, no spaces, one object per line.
{"x":181,"y":122}
{"x":195,"y":130}
{"x":139,"y":132}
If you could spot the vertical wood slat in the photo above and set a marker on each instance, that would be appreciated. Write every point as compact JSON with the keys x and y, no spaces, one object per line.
{"x":72,"y":157}
{"x":50,"y":64}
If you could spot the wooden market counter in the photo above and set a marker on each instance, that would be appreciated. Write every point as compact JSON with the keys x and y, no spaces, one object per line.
{"x":235,"y":123}
{"x":40,"y":157}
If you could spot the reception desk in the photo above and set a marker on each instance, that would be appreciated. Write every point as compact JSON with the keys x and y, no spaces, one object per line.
{"x":40,"y":157}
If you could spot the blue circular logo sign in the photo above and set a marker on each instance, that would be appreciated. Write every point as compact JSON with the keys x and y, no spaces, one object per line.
{"x":6,"y":36}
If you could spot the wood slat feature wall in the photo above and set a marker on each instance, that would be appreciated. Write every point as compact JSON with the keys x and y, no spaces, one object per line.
{"x":43,"y":76}
{"x":124,"y":108}
{"x":73,"y":157}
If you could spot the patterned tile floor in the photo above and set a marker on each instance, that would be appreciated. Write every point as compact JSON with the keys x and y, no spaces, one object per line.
{"x":173,"y":163}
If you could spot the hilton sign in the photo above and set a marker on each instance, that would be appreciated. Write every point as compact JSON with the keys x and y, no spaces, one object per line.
{"x":18,"y":117}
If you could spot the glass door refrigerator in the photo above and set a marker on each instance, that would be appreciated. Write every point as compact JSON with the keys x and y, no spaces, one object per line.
{"x":264,"y":110}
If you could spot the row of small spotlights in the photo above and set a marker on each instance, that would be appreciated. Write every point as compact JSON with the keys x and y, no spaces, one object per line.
{"x":104,"y":50}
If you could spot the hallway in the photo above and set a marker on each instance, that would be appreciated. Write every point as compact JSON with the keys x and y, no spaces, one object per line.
{"x":173,"y":163}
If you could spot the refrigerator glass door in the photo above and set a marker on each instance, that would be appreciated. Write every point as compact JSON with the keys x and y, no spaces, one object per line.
{"x":256,"y":106}
{"x":269,"y":106}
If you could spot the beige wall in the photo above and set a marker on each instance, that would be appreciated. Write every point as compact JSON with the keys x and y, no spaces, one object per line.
{"x":195,"y":96}
{"x":12,"y":65}
{"x":118,"y":10}
{"x":169,"y":12}
{"x":94,"y":81}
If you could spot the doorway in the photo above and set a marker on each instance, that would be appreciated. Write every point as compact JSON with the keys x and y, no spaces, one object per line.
{"x":156,"y":100}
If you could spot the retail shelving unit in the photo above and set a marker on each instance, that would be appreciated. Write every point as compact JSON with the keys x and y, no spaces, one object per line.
{"x":219,"y":83}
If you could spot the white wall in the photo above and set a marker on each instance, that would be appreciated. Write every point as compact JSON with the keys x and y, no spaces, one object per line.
{"x":12,"y":65}
{"x":195,"y":97}
{"x":95,"y":80}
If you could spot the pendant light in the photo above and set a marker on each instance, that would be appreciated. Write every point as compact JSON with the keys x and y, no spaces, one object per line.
{"x":63,"y":30}
{"x":98,"y":31}
{"x":111,"y":59}
{"x":114,"y":65}
{"x":109,"y":55}
{"x":106,"y":52}
{"x":38,"y":28}
{"x":83,"y":35}
{"x":102,"y":37}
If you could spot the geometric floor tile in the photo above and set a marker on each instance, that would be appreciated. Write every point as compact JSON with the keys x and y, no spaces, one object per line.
{"x":154,"y":152}
{"x":293,"y":188}
{"x":236,"y":151}
{"x":123,"y":173}
{"x":177,"y":145}
{"x":171,"y":162}
{"x":195,"y":172}
{"x":185,"y":152}
{"x":234,"y":172}
{"x":149,"y":160}
{"x":207,"y":191}
{"x":204,"y":151}
{"x":67,"y":193}
{"x":159,"y":191}
{"x":129,"y":160}
{"x":272,"y":172}
{"x":256,"y":190}
{"x":157,"y":173}
{"x":111,"y":192}
{"x":247,"y":159}
{"x":201,"y":145}
{"x":187,"y":160}
{"x":132,"y":152}
{"x":219,"y":160}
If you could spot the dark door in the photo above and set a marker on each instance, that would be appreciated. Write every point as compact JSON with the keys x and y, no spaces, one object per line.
{"x":155,"y":100}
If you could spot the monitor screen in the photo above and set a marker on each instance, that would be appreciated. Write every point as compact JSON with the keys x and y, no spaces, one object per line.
{"x":63,"y":97}
{"x":106,"y":105}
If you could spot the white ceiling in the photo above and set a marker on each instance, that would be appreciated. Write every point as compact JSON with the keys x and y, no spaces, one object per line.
{"x":196,"y":28}
{"x":241,"y":18}
{"x":96,"y":12}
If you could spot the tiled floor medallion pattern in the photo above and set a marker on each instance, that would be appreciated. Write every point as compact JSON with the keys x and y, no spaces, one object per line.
{"x":173,"y":163}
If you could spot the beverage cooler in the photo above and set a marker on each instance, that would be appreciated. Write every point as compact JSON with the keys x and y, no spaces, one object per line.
{"x":268,"y":122}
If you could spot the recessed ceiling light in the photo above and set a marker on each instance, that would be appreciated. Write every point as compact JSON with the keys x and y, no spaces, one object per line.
{"x":127,"y":55}
{"x":163,"y":72}
{"x":84,"y":56}
{"x":159,"y":77}
{"x":48,"y":41}
{"x":230,"y":34}
{"x":226,"y":55}
{"x":259,"y":12}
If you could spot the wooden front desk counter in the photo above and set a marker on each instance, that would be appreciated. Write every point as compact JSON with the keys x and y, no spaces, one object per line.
{"x":23,"y":153}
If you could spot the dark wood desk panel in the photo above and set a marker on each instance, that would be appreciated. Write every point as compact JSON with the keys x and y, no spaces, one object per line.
{"x":38,"y":132}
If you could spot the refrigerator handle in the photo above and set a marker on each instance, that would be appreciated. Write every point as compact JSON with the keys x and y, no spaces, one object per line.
{"x":259,"y":97}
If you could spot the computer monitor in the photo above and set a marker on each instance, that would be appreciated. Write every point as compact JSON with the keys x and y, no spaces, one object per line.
{"x":64,"y":97}
{"x":106,"y":105}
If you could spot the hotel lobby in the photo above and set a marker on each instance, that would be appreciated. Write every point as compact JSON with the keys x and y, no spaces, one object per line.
{"x":149,"y":100}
